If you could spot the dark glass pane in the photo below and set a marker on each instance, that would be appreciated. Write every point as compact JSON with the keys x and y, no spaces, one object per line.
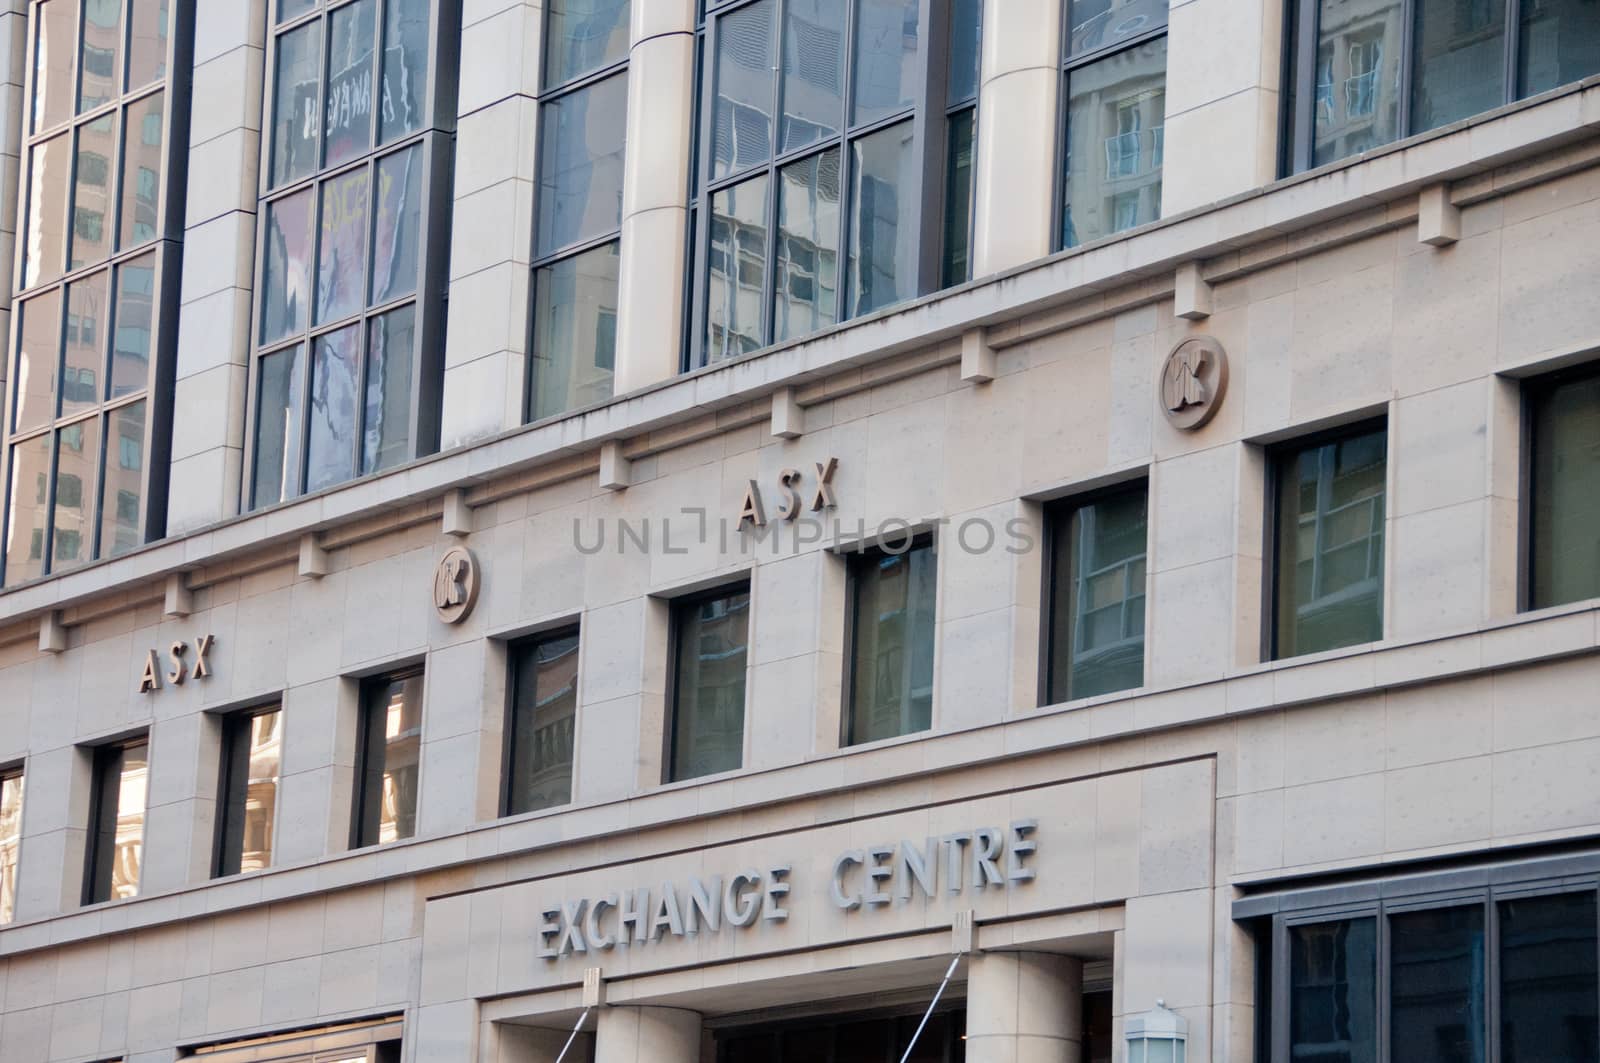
{"x":543,"y":718}
{"x":386,"y":435}
{"x":1358,"y":77}
{"x":278,"y":428}
{"x":1096,"y":24}
{"x":887,"y":41}
{"x":1549,"y":980}
{"x":288,"y":9}
{"x":405,"y":69}
{"x":134,"y":321}
{"x":295,"y":104}
{"x":1565,"y":506}
{"x":580,"y":174}
{"x":1459,"y":66}
{"x":122,"y":822}
{"x":575,"y":331}
{"x":48,"y":183}
{"x":88,"y":303}
{"x":1560,"y":44}
{"x":1333,"y":992}
{"x":394,"y":252}
{"x":863,"y":1041}
{"x":100,"y":44}
{"x":38,"y":360}
{"x":891,"y":651}
{"x":141,"y":171}
{"x":583,"y":35}
{"x":54,"y":62}
{"x":147,"y":54}
{"x":808,"y":246}
{"x":713,"y":643}
{"x":25,"y":514}
{"x":1330,"y":544}
{"x":77,"y":461}
{"x":123,"y":489}
{"x":1437,"y":1002}
{"x":286,"y":267}
{"x":351,"y":87}
{"x":251,"y":755}
{"x":1116,"y":115}
{"x":954,"y":264}
{"x":1097,"y":598}
{"x":741,"y":132}
{"x":737,"y":265}
{"x":813,"y":71}
{"x":342,"y":247}
{"x":966,"y":50}
{"x":330,"y":453}
{"x":883,"y":220}
{"x":92,"y":192}
{"x":392,"y":734}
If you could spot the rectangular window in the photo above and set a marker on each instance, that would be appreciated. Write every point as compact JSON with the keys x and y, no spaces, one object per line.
{"x":252,"y":752}
{"x":10,"y":841}
{"x":543,"y":722}
{"x":1563,"y":415}
{"x":1097,"y":594}
{"x":891,"y":642}
{"x":388,"y":751}
{"x":711,"y":648}
{"x":1328,"y":541}
{"x":1353,"y":86}
{"x":116,"y":821}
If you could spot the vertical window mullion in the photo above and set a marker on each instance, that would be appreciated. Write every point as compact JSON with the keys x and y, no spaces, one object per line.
{"x":1408,"y":44}
{"x":930,"y":132}
{"x":1512,"y":50}
{"x":843,"y":269}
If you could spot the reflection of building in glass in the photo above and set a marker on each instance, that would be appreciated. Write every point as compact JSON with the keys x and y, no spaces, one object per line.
{"x":261,"y":791}
{"x":547,"y":776}
{"x":10,"y":842}
{"x":402,"y":724}
{"x":1358,"y":76}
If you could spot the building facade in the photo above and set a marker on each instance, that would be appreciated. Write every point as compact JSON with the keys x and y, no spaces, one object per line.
{"x":1014,"y":530}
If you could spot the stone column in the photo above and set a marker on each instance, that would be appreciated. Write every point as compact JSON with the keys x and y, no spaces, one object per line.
{"x":1025,"y":1005}
{"x":655,"y":209}
{"x":647,"y":1035}
{"x":1016,"y":156}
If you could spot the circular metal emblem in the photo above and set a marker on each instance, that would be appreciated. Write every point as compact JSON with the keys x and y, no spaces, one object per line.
{"x":1193,"y":380}
{"x":455,"y":585}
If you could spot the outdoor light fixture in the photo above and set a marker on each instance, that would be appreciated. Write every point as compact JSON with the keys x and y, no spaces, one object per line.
{"x":1157,"y":1036}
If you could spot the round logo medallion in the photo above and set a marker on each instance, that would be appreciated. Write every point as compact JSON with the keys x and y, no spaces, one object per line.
{"x":455,"y":585}
{"x":1193,"y":380}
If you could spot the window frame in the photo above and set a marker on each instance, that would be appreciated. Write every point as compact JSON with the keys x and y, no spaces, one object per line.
{"x":1533,"y":391}
{"x":368,"y":736}
{"x":676,"y":607}
{"x":930,"y":117}
{"x":856,"y":559}
{"x":99,"y":859}
{"x":434,"y":139}
{"x":236,"y":733}
{"x":165,"y":245}
{"x":508,"y":751}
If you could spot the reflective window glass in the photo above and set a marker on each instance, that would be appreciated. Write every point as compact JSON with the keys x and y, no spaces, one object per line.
{"x":807,"y":297}
{"x":966,"y":54}
{"x":92,"y":192}
{"x":134,"y":326}
{"x":891,"y":643}
{"x":342,"y":246}
{"x":279,"y":429}
{"x":543,"y":722}
{"x":887,"y":42}
{"x":286,"y":266}
{"x":1560,"y":44}
{"x":712,"y":640}
{"x":142,"y":158}
{"x":116,"y":840}
{"x":1098,"y":596}
{"x":391,"y":356}
{"x":403,"y":100}
{"x":1116,"y":121}
{"x":584,"y":35}
{"x":391,"y":744}
{"x":1458,"y":68}
{"x":1564,"y":508}
{"x":1437,"y":974}
{"x":884,"y":207}
{"x":399,"y":224}
{"x":48,"y":185}
{"x":26,"y":512}
{"x":1357,"y":77}
{"x":38,"y":360}
{"x":55,"y":58}
{"x":1097,"y":24}
{"x":741,"y":132}
{"x":1333,"y":991}
{"x":72,"y":522}
{"x":10,"y":842}
{"x":252,"y":751}
{"x":288,"y":9}
{"x":147,"y":44}
{"x":955,"y":264}
{"x":82,"y":375}
{"x":335,"y":369}
{"x":351,"y":81}
{"x":575,"y":331}
{"x":122,"y":489}
{"x":813,"y":70}
{"x":100,"y":45}
{"x":580,"y":171}
{"x":1549,"y":979}
{"x":296,"y":81}
{"x":737,"y":269}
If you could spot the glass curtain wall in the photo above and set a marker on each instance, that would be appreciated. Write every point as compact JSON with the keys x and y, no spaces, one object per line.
{"x":93,"y":323}
{"x":583,"y":119}
{"x":1115,"y":92}
{"x":353,"y":226}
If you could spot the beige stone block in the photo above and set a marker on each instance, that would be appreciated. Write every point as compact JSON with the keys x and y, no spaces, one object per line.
{"x":1265,"y":386}
{"x":1447,"y":803}
{"x":504,"y":50}
{"x":1551,"y":703}
{"x":1190,"y":627}
{"x":1333,"y":741}
{"x":1438,"y":448}
{"x":1438,"y":722}
{"x":218,"y":104}
{"x":1438,"y":219}
{"x":1016,"y":167}
{"x":229,"y":162}
{"x":1167,"y":951}
{"x":1192,"y":509}
{"x":1195,"y":173}
{"x":1341,"y":340}
{"x":650,"y":289}
{"x":1341,"y":819}
{"x":660,"y":117}
{"x":482,"y":397}
{"x":1542,"y":308}
{"x":1547,"y":788}
{"x":1258,"y":831}
{"x":496,"y":144}
{"x":1450,"y":299}
{"x":1437,"y":570}
{"x":1176,"y":827}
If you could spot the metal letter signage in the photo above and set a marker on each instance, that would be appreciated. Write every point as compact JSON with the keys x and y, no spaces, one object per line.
{"x":1193,"y":380}
{"x":177,"y":669}
{"x":753,"y":510}
{"x":455,"y":585}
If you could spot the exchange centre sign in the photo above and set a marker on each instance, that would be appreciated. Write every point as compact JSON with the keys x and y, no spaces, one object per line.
{"x":981,"y":859}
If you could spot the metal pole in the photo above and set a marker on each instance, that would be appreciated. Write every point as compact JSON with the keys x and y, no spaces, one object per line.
{"x":574,"y":1035}
{"x":925,"y":1016}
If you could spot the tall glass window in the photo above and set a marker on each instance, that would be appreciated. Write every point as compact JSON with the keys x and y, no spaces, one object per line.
{"x":116,"y":821}
{"x":583,"y":117}
{"x":835,"y":164}
{"x":252,"y":752}
{"x":891,"y":643}
{"x":10,"y":841}
{"x":543,"y":718}
{"x":92,"y":333}
{"x":1352,"y":86}
{"x":1115,"y":88}
{"x":711,"y":647}
{"x":1564,"y":508}
{"x":1097,"y":595}
{"x":388,"y":753}
{"x":354,"y":183}
{"x":1328,"y":542}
